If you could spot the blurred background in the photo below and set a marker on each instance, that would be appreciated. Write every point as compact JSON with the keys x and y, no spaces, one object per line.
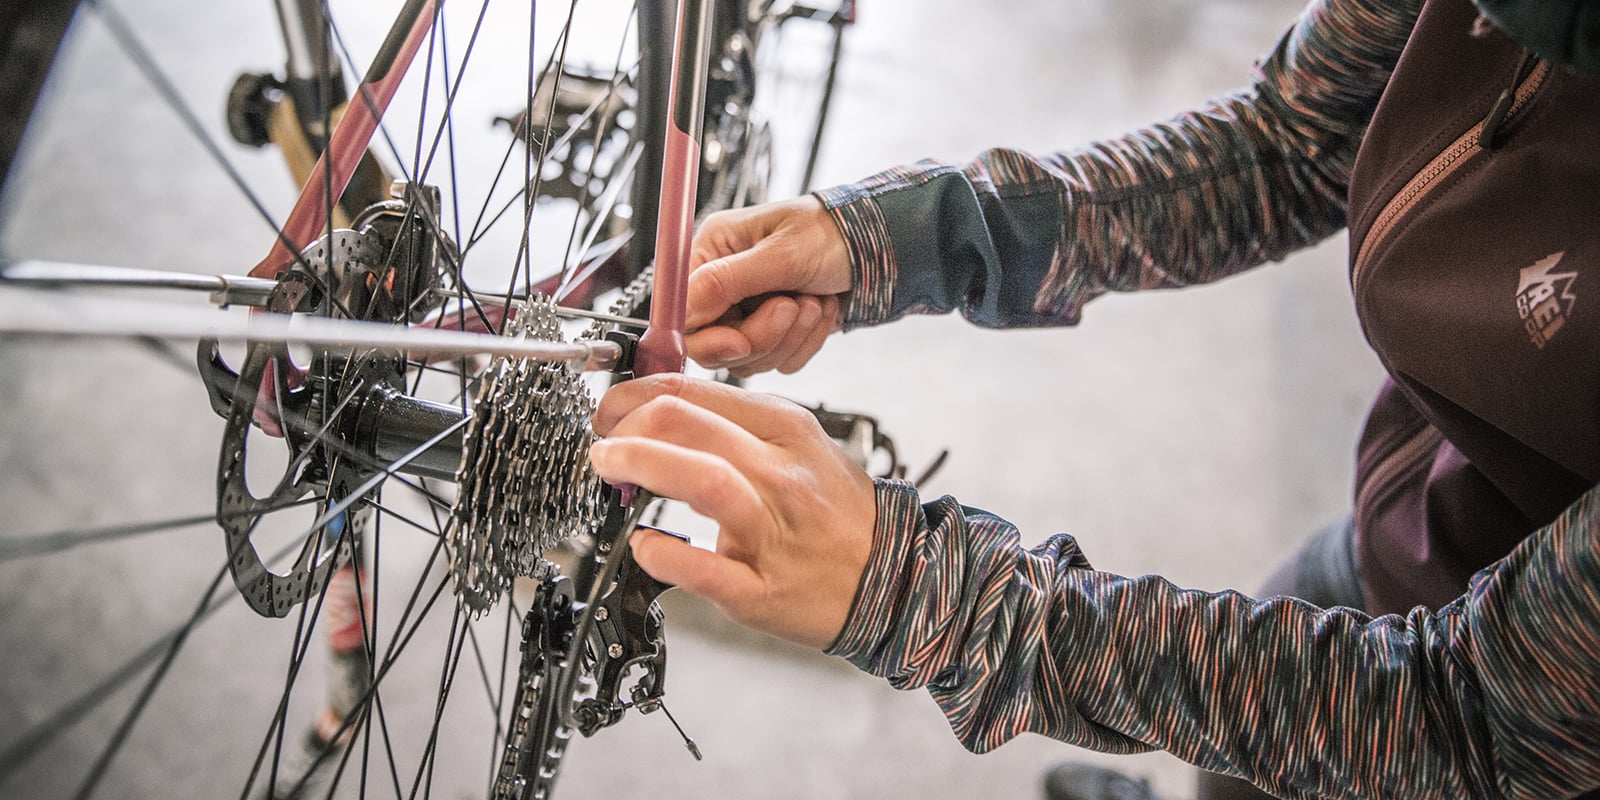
{"x":1198,"y":434}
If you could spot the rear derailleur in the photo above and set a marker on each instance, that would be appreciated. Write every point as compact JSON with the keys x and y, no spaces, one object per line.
{"x":585,"y":662}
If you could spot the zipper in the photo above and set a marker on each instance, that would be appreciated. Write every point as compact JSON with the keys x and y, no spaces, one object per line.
{"x":1442,"y":166}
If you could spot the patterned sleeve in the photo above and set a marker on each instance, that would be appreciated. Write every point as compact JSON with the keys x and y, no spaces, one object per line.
{"x":1495,"y":696}
{"x":1026,"y":240}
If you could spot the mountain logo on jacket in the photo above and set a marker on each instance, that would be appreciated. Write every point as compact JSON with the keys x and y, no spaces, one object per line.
{"x":1545,"y":299}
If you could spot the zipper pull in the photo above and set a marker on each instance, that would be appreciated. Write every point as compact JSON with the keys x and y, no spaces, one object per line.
{"x":1489,"y":134}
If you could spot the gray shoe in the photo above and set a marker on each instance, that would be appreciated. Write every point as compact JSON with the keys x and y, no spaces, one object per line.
{"x":1071,"y":781}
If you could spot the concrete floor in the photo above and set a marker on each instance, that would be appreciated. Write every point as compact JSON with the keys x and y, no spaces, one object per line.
{"x":1195,"y":434}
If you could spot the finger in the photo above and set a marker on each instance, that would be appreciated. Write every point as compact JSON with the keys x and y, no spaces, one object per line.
{"x":706,"y":482}
{"x":771,"y":327}
{"x":808,"y":316}
{"x":717,"y":578}
{"x":717,"y":346}
{"x":763,"y":415}
{"x":768,"y":326}
{"x":771,"y":347}
{"x":674,"y":420}
{"x":722,"y":283}
{"x":812,"y":344}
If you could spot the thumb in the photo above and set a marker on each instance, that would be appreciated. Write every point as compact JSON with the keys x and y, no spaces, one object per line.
{"x":719,"y":285}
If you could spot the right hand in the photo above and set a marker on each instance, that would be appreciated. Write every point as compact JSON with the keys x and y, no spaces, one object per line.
{"x":795,"y":516}
{"x":764,"y":287}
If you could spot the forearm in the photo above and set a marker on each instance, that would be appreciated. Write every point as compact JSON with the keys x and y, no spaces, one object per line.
{"x":1498,"y":695}
{"x":1014,"y":239}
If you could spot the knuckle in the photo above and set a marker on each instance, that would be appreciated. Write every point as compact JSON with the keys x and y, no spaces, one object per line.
{"x":666,"y":384}
{"x":793,"y":414}
{"x":714,"y":279}
{"x":662,"y":414}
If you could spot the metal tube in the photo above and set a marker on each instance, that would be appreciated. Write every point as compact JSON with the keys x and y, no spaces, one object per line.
{"x":392,"y":425}
{"x":225,"y":289}
{"x":662,"y":349}
{"x":27,"y":311}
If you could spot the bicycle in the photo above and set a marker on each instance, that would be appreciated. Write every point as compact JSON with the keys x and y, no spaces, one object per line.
{"x":358,"y":424}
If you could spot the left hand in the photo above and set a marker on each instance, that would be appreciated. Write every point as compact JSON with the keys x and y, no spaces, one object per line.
{"x":795,"y":515}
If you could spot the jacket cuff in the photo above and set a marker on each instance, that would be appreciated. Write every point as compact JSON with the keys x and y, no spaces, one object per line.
{"x":868,"y":630}
{"x":872,"y":262}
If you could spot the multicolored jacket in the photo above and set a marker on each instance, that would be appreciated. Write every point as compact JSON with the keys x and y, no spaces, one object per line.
{"x":1460,"y":164}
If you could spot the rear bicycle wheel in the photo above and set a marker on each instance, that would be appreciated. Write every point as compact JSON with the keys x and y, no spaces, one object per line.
{"x":141,"y":671}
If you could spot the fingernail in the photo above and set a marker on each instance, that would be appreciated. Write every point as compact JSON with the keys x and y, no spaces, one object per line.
{"x":786,"y":315}
{"x":809,"y":314}
{"x":597,"y":451}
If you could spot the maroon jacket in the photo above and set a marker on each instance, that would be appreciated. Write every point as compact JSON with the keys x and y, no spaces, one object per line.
{"x":1474,"y":220}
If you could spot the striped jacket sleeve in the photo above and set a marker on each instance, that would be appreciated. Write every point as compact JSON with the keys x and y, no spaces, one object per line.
{"x":1497,"y":695}
{"x":1026,"y":240}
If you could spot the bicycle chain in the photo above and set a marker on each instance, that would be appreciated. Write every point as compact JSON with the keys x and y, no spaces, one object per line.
{"x":528,"y":769}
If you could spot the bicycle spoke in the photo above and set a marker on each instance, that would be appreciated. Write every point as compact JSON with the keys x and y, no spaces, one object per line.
{"x":483,"y":674}
{"x":457,"y":639}
{"x":167,"y":354}
{"x":524,"y":259}
{"x":369,"y":643}
{"x":450,"y":119}
{"x":141,"y":57}
{"x":617,"y":182}
{"x":369,"y":620}
{"x":302,"y":634}
{"x":397,"y":647}
{"x":407,"y":521}
{"x":522,"y":194}
{"x":497,"y":742}
{"x":164,"y":647}
{"x":57,"y":541}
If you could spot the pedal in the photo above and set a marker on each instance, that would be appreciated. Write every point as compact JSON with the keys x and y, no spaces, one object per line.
{"x":575,"y":99}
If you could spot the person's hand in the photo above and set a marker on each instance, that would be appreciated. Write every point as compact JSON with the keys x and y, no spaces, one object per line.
{"x":764,"y":287}
{"x":795,"y":516}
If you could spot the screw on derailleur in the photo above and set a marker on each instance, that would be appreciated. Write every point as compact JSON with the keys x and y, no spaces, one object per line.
{"x":627,"y":639}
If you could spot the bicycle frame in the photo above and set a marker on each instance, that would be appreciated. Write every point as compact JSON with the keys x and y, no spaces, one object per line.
{"x":662,"y":347}
{"x":349,"y":142}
